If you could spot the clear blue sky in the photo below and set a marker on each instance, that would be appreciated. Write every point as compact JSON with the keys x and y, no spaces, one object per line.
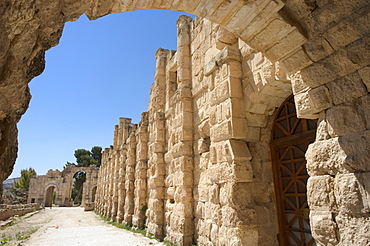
{"x":100,"y":71}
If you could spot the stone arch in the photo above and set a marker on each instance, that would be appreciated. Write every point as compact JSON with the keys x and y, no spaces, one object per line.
{"x":50,"y":189}
{"x":91,"y":180}
{"x":333,"y":61}
{"x":38,"y":26}
{"x":41,"y":25}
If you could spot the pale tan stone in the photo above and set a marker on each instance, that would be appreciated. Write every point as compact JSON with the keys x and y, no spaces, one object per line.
{"x":217,"y":175}
{"x":62,"y":183}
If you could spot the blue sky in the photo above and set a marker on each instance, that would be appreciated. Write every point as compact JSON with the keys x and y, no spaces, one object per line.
{"x":100,"y":71}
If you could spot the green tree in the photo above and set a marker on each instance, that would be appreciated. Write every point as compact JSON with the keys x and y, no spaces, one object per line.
{"x":96,"y":154}
{"x":24,"y":181}
{"x":84,"y":158}
{"x":77,"y":189}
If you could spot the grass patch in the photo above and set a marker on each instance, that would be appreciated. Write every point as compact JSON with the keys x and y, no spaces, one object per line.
{"x":131,"y":229}
{"x":19,"y":236}
{"x":126,"y":227}
{"x":168,"y":243}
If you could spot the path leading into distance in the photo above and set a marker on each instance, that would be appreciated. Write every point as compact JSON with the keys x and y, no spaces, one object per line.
{"x":72,"y":226}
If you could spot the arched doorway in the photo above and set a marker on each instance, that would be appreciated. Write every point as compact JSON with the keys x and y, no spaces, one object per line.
{"x":79,"y":179}
{"x":93,"y":193}
{"x":50,"y":197}
{"x":290,"y":139}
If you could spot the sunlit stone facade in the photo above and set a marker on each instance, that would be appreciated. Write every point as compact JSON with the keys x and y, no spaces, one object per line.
{"x":212,"y":118}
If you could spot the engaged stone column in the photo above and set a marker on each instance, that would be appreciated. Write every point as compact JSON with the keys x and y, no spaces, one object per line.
{"x":125,"y":127}
{"x":142,"y":138}
{"x":115,"y":172}
{"x":121,"y":184}
{"x":130,"y":179}
{"x":110,"y":181}
{"x":156,"y":145}
{"x":181,"y":220}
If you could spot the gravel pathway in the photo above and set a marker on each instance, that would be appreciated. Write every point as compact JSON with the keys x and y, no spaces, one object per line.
{"x":72,"y":226}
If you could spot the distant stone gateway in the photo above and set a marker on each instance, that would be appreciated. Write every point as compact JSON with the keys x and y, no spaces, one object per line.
{"x":257,"y":130}
{"x":43,"y":188}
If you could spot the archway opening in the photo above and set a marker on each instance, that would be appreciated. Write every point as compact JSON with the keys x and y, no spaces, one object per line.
{"x":102,"y":59}
{"x":79,"y":179}
{"x":93,"y":193}
{"x":50,"y":196}
{"x":290,"y":139}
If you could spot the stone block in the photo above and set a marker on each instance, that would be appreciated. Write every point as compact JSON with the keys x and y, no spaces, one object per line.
{"x":350,"y":194}
{"x":241,"y":18}
{"x":323,"y":227}
{"x":226,"y":37}
{"x":156,"y":147}
{"x":237,"y":150}
{"x":342,"y":34}
{"x":347,"y":88}
{"x":365,"y":76}
{"x":320,"y":193}
{"x":304,"y":106}
{"x":233,"y":68}
{"x":265,"y":15}
{"x":221,"y":131}
{"x":242,"y":235}
{"x":155,"y":182}
{"x":238,"y":126}
{"x":364,"y":108}
{"x":344,"y":119}
{"x":214,"y":194}
{"x":298,"y":84}
{"x":219,"y":93}
{"x":235,"y":88}
{"x":219,"y":173}
{"x":204,"y":129}
{"x":257,"y":108}
{"x":183,"y":178}
{"x":256,"y":120}
{"x":226,"y":54}
{"x":339,"y":155}
{"x":353,"y":229}
{"x":296,"y":61}
{"x":242,"y":171}
{"x":359,"y":52}
{"x":252,"y":134}
{"x":210,"y":67}
{"x":322,"y":132}
{"x":329,"y":68}
{"x":284,"y":46}
{"x":320,"y":98}
{"x":264,"y":40}
{"x":318,"y":47}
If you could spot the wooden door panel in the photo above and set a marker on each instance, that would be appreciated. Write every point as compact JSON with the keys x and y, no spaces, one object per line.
{"x":290,"y":139}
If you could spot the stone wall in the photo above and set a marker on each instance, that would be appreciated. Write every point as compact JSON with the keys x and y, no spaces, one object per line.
{"x":197,"y":168}
{"x":323,"y":46}
{"x":61,"y":183}
{"x":7,"y":211}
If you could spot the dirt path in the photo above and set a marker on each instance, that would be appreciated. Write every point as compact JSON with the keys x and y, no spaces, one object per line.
{"x":71,"y":226}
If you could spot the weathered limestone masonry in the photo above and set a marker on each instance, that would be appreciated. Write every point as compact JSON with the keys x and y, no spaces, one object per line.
{"x":7,"y":211}
{"x":111,"y":196}
{"x":210,"y":175}
{"x":42,"y":187}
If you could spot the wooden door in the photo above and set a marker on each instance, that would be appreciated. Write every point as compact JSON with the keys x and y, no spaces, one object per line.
{"x":290,"y":139}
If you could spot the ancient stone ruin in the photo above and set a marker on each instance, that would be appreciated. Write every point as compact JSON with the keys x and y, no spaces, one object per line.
{"x":59,"y":184}
{"x":225,"y":155}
